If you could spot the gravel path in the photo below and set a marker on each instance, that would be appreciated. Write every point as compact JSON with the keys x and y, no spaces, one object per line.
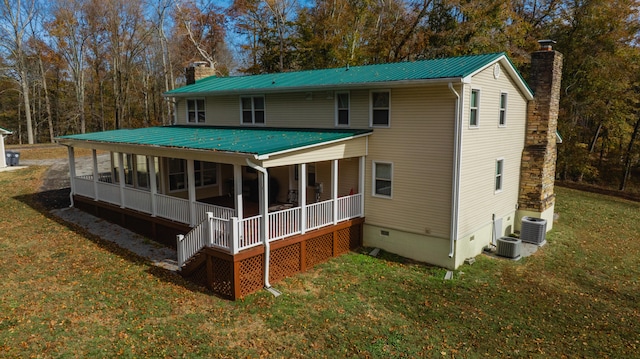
{"x":54,"y":195}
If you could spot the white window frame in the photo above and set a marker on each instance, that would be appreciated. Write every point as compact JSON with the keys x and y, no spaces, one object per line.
{"x":338,"y":109}
{"x":375,"y":178}
{"x":502,"y":115}
{"x":476,"y":108}
{"x":185,"y":175}
{"x":197,"y":111}
{"x":253,"y":111}
{"x":372,"y":109}
{"x":498,"y":184}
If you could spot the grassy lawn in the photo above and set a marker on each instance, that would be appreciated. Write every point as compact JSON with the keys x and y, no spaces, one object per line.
{"x":66,"y":293}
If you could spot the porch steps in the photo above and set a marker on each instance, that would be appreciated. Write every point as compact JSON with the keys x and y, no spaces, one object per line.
{"x":193,"y":264}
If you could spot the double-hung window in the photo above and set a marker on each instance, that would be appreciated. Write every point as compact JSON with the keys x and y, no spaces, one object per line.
{"x":474,"y":106}
{"x":382,"y":179}
{"x":342,"y":109}
{"x":252,"y":110}
{"x":503,"y":110}
{"x":195,"y":111}
{"x":205,"y":173}
{"x":499,"y":174}
{"x":380,"y":108}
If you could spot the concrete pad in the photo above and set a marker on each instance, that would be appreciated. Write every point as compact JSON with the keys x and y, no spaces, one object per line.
{"x":158,"y":254}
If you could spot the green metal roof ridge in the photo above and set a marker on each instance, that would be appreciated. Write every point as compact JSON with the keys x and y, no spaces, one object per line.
{"x":431,"y":69}
{"x":249,"y":140}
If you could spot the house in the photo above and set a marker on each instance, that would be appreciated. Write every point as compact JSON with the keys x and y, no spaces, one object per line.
{"x":270,"y":174}
{"x":3,"y":133}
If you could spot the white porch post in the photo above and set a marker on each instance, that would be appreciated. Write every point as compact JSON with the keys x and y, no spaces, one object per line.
{"x":191,"y":183}
{"x":3,"y":160}
{"x":302,"y":197}
{"x":95,"y":174}
{"x":72,"y":173}
{"x":361,"y":184}
{"x":121,"y":178}
{"x":153,"y":185}
{"x":237,"y":191}
{"x":334,"y":190}
{"x":264,"y":205}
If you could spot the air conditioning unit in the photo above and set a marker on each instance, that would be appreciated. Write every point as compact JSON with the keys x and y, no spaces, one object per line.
{"x":509,"y":247}
{"x":533,"y":230}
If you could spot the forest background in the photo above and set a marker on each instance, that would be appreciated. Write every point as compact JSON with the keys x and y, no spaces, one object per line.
{"x":75,"y":66}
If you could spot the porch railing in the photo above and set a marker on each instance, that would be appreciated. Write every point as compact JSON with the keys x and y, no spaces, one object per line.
{"x":191,"y":243}
{"x":249,"y":232}
{"x":173,"y":208}
{"x":350,"y":207}
{"x":284,"y":223}
{"x":319,"y":214}
{"x":137,"y":199}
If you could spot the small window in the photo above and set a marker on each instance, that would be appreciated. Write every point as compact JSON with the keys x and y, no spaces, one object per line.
{"x":195,"y":111}
{"x":380,"y":108}
{"x":499,"y":174}
{"x":473,"y":108}
{"x":342,"y":109}
{"x":382,"y":179}
{"x":503,"y":110}
{"x":252,"y":110}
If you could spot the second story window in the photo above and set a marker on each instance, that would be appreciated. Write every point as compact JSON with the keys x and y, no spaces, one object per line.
{"x":342,"y":109}
{"x":380,"y":108}
{"x":195,"y":111}
{"x":252,"y":110}
{"x":473,"y":108}
{"x":503,"y":110}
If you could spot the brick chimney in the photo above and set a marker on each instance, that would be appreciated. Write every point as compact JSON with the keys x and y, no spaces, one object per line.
{"x":537,"y":174}
{"x":198,"y":70}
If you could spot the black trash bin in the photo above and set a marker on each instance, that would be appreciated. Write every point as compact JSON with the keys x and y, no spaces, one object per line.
{"x":15,"y":161}
{"x":9,"y":157}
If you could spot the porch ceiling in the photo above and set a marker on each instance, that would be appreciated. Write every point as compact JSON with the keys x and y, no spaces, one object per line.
{"x":200,"y":142}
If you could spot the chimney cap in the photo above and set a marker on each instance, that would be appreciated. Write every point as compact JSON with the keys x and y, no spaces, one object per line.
{"x":546,"y":45}
{"x":199,"y":64}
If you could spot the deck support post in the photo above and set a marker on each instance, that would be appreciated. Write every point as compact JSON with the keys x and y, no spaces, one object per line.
{"x":95,"y":174}
{"x":191,"y":185}
{"x":302,"y":197}
{"x":121,"y":178}
{"x":153,"y":185}
{"x":210,"y":229}
{"x":361,"y":173}
{"x":72,"y":173}
{"x":334,"y":190}
{"x":237,"y":190}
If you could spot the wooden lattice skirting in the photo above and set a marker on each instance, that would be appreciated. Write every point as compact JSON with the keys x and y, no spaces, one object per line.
{"x":237,"y":276}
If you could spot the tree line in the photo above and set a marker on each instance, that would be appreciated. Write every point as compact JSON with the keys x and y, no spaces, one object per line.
{"x":75,"y":66}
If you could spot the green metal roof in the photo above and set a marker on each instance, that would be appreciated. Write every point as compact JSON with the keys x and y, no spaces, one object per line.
{"x":257,"y":141}
{"x":446,"y":68}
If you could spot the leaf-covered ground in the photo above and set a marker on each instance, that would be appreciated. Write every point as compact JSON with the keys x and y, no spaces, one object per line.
{"x":66,"y":293}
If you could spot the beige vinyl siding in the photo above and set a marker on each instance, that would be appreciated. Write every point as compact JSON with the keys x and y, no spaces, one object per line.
{"x":482,"y":146}
{"x":297,"y":109}
{"x":419,"y":144}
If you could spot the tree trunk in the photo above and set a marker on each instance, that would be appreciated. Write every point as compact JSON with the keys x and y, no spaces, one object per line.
{"x":47,"y":102}
{"x":629,"y":156}
{"x":27,"y":105}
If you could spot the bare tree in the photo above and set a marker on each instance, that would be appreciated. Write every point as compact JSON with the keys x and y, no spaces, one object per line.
{"x":15,"y":19}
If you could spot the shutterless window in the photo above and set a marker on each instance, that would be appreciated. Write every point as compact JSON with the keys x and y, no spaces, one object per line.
{"x":499,"y":174}
{"x":342,"y":109}
{"x":503,"y":109}
{"x":252,"y":110}
{"x":205,"y":173}
{"x":380,"y":108}
{"x":177,"y":174}
{"x":473,"y":108}
{"x":382,"y":179}
{"x":195,"y":111}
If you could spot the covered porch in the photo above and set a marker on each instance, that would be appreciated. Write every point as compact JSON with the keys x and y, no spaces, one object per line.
{"x":232,"y":190}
